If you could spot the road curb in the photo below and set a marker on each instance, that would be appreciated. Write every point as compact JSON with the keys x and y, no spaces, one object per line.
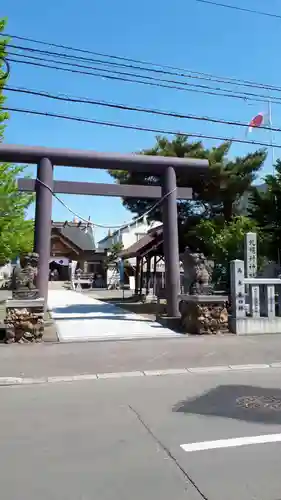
{"x":14,"y":381}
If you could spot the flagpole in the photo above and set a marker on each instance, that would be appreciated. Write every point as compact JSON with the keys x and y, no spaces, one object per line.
{"x":271,"y":136}
{"x":272,"y":157}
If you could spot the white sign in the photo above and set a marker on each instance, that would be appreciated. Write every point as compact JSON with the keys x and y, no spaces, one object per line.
{"x":237,"y":288}
{"x":72,"y":267}
{"x":250,"y":250}
{"x":270,"y":295}
{"x":255,"y":301}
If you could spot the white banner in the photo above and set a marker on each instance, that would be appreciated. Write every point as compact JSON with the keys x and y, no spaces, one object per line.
{"x":63,"y":261}
{"x":72,"y":268}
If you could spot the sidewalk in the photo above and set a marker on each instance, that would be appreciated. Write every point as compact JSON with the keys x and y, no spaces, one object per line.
{"x":42,"y":360}
{"x":79,"y":317}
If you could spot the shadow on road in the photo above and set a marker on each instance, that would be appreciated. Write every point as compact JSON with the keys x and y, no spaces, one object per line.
{"x":101,"y":311}
{"x":241,"y":402}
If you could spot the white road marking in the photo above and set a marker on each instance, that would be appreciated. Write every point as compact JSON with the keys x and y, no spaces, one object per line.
{"x":231,"y":443}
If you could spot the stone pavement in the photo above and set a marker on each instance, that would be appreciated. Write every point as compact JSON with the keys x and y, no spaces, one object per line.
{"x":158,"y":438}
{"x":125,"y":356}
{"x":79,"y":317}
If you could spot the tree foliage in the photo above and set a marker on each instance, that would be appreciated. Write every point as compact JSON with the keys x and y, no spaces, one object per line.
{"x":265,"y":209}
{"x":225,"y":241}
{"x":16,"y":233}
{"x":3,"y":115}
{"x":179,"y":147}
{"x":113,"y":253}
{"x":210,"y":222}
{"x":218,"y":193}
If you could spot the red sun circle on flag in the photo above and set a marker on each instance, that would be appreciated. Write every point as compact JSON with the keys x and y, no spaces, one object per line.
{"x":257,"y":120}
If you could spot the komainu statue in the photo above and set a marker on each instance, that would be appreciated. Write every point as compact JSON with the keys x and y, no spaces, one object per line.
{"x":24,"y":315}
{"x":198,"y":272}
{"x":23,"y":278}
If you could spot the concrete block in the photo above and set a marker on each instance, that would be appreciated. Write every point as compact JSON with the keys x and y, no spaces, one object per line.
{"x":255,"y":326}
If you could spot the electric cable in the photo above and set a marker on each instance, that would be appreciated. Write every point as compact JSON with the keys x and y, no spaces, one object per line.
{"x":140,"y":109}
{"x":242,"y":9}
{"x":176,"y":71}
{"x":187,"y":87}
{"x":140,"y":128}
{"x":183,"y":74}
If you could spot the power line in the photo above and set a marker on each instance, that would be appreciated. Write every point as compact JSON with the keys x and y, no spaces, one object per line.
{"x":86,"y":51}
{"x":214,"y":120}
{"x":146,"y":77}
{"x":184,"y":74}
{"x":214,"y":91}
{"x":106,"y":70}
{"x":187,"y":87}
{"x":140,"y":128}
{"x":122,"y":79}
{"x":125,"y":107}
{"x":82,"y":72}
{"x":243,"y":9}
{"x":138,"y":61}
{"x":101,"y":61}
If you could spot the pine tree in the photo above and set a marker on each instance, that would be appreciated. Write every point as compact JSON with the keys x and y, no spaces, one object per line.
{"x":217,"y":196}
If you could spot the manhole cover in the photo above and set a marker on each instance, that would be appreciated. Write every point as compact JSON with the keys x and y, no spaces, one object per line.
{"x":264,"y":402}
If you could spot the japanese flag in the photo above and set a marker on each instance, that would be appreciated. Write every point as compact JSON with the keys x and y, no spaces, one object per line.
{"x":260,"y":120}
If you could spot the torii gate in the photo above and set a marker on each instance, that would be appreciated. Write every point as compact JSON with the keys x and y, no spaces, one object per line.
{"x":44,"y":185}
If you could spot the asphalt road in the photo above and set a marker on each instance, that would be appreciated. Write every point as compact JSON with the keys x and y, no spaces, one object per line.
{"x":121,"y":439}
{"x":98,"y":357}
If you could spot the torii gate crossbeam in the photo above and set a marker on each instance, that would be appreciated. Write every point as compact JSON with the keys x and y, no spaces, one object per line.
{"x":165,"y":167}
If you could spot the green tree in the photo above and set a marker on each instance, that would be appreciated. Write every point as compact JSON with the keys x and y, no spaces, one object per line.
{"x":228,"y":182}
{"x":3,"y":116}
{"x":179,"y":147}
{"x":217,"y":196}
{"x":16,"y":233}
{"x":113,"y":253}
{"x":265,"y":209}
{"x":223,"y":242}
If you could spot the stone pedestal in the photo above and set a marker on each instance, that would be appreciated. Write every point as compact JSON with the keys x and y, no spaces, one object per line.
{"x":204,"y":314}
{"x":24,"y":321}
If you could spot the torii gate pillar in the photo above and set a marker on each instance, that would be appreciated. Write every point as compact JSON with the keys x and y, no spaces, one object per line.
{"x":43,"y":222}
{"x":171,"y":241}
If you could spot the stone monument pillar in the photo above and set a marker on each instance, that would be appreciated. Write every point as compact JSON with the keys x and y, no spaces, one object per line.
{"x":250,"y":255}
{"x":237,"y":289}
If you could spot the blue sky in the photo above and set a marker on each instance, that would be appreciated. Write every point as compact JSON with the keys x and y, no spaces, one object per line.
{"x":180,"y":33}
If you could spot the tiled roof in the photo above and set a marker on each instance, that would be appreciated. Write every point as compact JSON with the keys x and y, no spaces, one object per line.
{"x":76,"y":235}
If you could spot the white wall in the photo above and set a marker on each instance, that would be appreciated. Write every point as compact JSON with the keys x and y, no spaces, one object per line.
{"x":6,"y":270}
{"x":128,"y":236}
